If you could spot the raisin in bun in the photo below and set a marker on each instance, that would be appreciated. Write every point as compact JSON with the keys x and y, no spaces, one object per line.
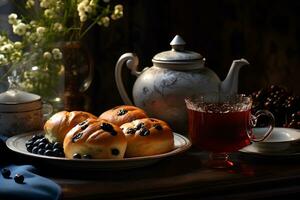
{"x":122,"y":114}
{"x":97,"y":139}
{"x":62,"y":122}
{"x":148,"y":136}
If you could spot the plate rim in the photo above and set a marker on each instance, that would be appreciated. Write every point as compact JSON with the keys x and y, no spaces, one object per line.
{"x":281,"y":128}
{"x":187,"y":144}
{"x":271,"y":154}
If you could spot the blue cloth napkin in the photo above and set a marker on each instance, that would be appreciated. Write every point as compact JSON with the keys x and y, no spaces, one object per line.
{"x":33,"y":187}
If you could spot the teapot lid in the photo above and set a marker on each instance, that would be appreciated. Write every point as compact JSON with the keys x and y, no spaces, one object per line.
{"x":15,"y":100}
{"x":177,"y":54}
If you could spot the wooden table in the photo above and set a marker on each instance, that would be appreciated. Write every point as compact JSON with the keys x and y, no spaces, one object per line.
{"x":185,"y":177}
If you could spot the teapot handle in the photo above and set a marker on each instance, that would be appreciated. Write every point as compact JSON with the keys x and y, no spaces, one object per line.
{"x":132,"y":62}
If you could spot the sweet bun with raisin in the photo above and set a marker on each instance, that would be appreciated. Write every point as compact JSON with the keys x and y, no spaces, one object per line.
{"x":96,"y":139}
{"x":147,"y":136}
{"x":62,"y":122}
{"x":122,"y":114}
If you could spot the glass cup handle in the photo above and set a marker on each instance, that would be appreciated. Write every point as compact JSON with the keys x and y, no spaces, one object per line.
{"x":253,"y":122}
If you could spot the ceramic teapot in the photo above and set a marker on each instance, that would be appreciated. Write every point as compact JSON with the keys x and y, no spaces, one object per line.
{"x":176,"y":74}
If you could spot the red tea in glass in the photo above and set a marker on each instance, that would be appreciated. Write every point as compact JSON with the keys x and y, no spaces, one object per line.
{"x":219,"y":132}
{"x":221,"y":124}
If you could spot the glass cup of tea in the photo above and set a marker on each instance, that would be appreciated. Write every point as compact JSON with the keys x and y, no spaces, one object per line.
{"x":221,"y":124}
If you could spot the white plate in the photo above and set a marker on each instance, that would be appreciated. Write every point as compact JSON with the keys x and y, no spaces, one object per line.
{"x":17,"y":144}
{"x":281,"y":142}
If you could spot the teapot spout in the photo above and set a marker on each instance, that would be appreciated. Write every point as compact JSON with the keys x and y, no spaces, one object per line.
{"x":230,"y":85}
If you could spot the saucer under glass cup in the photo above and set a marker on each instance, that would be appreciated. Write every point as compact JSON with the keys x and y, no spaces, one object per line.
{"x":221,"y":124}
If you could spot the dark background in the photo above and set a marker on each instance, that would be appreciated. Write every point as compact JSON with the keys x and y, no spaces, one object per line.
{"x":266,"y":33}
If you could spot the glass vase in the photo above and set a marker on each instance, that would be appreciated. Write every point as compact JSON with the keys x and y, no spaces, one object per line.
{"x":62,"y":83}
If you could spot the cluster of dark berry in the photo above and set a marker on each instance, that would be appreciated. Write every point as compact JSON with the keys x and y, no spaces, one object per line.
{"x":283,"y":104}
{"x":294,"y":122}
{"x":38,"y":144}
{"x":6,"y":174}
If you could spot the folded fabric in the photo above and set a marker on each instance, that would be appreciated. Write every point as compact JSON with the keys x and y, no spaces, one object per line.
{"x":33,"y":186}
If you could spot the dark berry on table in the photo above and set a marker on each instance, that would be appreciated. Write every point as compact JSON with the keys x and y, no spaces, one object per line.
{"x":44,"y":140}
{"x":35,"y":150}
{"x":29,"y":148}
{"x":144,"y":132}
{"x":56,"y":151}
{"x":41,"y":145}
{"x":130,"y":130}
{"x":57,"y":145}
{"x":76,"y":156}
{"x":87,"y":156}
{"x":107,"y":127}
{"x":36,"y":143}
{"x":41,"y":151}
{"x":158,"y":127}
{"x":122,"y":112}
{"x":76,"y":137}
{"x":48,"y":146}
{"x":139,"y":126}
{"x":29,"y":142}
{"x":115,"y":151}
{"x":5,"y":172}
{"x":19,"y":178}
{"x":48,"y":153}
{"x":36,"y":137}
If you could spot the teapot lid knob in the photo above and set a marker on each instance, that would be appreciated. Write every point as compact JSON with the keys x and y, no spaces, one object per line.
{"x":177,"y":43}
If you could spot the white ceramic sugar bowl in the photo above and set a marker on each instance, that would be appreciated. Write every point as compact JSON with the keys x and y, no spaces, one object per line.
{"x":20,"y":111}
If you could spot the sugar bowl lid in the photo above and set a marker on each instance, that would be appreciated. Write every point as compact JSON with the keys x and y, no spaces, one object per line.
{"x":178,"y":54}
{"x":16,"y":100}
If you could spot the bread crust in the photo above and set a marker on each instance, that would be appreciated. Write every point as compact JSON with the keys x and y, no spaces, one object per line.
{"x":62,"y":122}
{"x":147,"y":136}
{"x":99,"y":139}
{"x":122,"y":114}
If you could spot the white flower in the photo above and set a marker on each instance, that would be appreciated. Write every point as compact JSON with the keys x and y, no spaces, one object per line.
{"x":82,"y":16}
{"x":45,"y":3}
{"x":58,"y":27}
{"x":40,"y":31}
{"x":88,"y":9}
{"x":118,"y":12}
{"x":93,"y":3}
{"x":3,"y":60}
{"x":20,"y":29}
{"x":6,"y":48}
{"x":81,"y":7}
{"x":57,"y":54}
{"x":47,"y":55}
{"x":12,"y":18}
{"x":15,"y":56}
{"x":29,"y":3}
{"x":18,"y":45}
{"x":104,"y":21}
{"x":32,"y":36}
{"x":33,"y":23}
{"x":49,"y":13}
{"x":2,"y":38}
